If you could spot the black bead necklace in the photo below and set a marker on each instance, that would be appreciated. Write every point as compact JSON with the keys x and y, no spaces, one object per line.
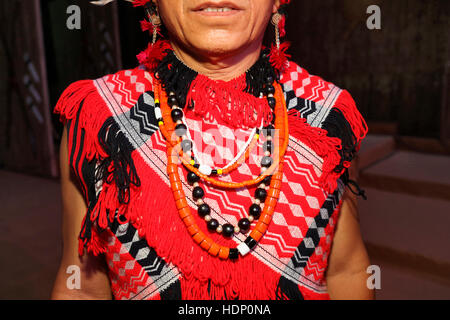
{"x":204,"y":210}
{"x":176,"y":78}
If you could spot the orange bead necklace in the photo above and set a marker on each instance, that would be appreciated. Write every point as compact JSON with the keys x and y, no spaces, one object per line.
{"x":271,"y":173}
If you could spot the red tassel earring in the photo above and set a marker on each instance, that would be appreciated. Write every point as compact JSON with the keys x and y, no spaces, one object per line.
{"x":156,"y":50}
{"x":154,"y":21}
{"x":278,"y":56}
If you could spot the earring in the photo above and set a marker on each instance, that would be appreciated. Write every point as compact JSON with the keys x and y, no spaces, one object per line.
{"x":278,"y":56}
{"x":155,"y":21}
{"x":276,"y":19}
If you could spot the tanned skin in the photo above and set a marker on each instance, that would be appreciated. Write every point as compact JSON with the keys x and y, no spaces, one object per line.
{"x":94,"y":279}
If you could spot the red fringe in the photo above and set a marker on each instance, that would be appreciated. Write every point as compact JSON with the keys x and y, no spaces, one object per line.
{"x":278,"y":57}
{"x":96,"y":246}
{"x":84,"y":92}
{"x":156,"y":218}
{"x":148,"y":26}
{"x":234,"y":106}
{"x":92,"y":116}
{"x":153,"y":55}
{"x":347,"y":106}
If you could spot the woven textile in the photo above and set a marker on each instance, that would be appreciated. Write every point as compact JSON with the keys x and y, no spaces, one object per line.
{"x":149,"y":252}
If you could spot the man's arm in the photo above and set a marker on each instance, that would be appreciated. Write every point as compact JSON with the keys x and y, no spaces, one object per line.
{"x":94,"y":281}
{"x":346,"y":274}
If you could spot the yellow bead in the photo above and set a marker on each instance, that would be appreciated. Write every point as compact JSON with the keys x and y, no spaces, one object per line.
{"x":156,"y":100}
{"x":219,"y":171}
{"x":192,"y":162}
{"x":160,"y":123}
{"x":257,"y":136}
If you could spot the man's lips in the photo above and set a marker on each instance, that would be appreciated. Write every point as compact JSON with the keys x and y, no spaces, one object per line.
{"x":221,"y":8}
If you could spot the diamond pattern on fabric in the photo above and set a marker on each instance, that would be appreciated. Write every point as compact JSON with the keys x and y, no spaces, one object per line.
{"x":135,"y":266}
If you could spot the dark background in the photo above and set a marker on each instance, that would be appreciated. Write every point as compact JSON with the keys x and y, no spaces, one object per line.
{"x":399,"y":77}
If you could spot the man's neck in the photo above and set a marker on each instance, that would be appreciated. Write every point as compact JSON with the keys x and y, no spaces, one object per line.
{"x":218,"y":66}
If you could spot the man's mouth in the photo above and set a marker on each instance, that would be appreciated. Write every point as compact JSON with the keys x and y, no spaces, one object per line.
{"x":221,"y":7}
{"x":213,"y":9}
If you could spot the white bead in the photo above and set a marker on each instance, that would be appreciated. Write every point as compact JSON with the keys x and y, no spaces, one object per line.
{"x":200,"y":202}
{"x":179,"y":122}
{"x":206,"y":170}
{"x":219,"y":229}
{"x":251,"y":219}
{"x":158,"y":113}
{"x":243,"y":249}
{"x":237,"y":230}
{"x":196,"y":184}
{"x":208,"y":218}
{"x":257,"y":201}
{"x":267,"y":153}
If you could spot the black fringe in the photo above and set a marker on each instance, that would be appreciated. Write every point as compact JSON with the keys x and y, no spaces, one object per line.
{"x":337,"y":126}
{"x":288,"y":290}
{"x":86,"y":228}
{"x":257,"y":75}
{"x":123,"y":171}
{"x":353,"y":185}
{"x":176,"y":77}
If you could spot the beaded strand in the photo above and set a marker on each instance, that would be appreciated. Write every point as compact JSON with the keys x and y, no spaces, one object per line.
{"x":270,"y":197}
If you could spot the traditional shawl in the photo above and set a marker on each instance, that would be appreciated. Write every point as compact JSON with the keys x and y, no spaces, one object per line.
{"x":118,"y":155}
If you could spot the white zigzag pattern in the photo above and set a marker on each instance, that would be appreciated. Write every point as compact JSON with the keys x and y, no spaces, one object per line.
{"x":223,"y":198}
{"x":315,"y":91}
{"x":299,"y":258}
{"x":315,"y":267}
{"x":122,"y":92}
{"x":160,"y":139}
{"x":124,"y":291}
{"x":280,"y":241}
{"x":154,"y":266}
{"x":144,"y":116}
{"x":307,"y":107}
{"x":313,"y":183}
